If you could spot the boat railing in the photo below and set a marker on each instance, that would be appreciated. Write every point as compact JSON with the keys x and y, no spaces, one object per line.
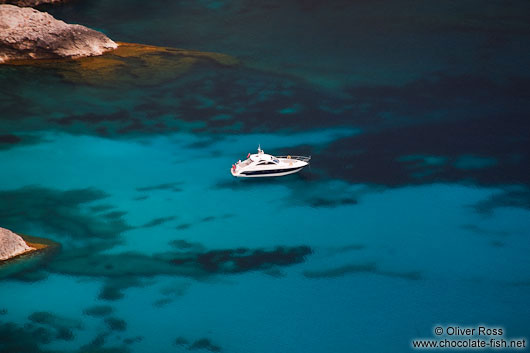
{"x":299,"y":158}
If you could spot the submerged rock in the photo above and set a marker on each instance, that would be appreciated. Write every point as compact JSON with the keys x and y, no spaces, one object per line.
{"x":131,"y":64}
{"x":26,"y":33}
{"x":11,"y":244}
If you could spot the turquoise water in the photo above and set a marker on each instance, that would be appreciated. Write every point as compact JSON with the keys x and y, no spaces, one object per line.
{"x":413,"y":214}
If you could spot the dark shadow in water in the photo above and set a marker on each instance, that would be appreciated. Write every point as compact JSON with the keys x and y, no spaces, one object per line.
{"x":88,"y":232}
{"x":165,"y":107}
{"x":369,"y":267}
{"x":332,"y":251}
{"x":54,"y":321}
{"x":141,"y":198}
{"x":159,"y":303}
{"x":98,"y":310}
{"x":342,"y":270}
{"x":166,"y":186}
{"x":438,"y":128}
{"x":183,"y":226}
{"x":383,"y":157}
{"x":61,"y":214}
{"x":8,"y":141}
{"x":199,"y":344}
{"x":97,"y":343}
{"x":205,"y":143}
{"x":23,"y":339}
{"x":114,"y":215}
{"x":243,"y":260}
{"x":182,"y":244}
{"x":29,"y":338}
{"x":116,"y":324}
{"x":131,"y":340}
{"x":206,"y":219}
{"x":327,"y":202}
{"x":204,"y":344}
{"x":101,"y":208}
{"x":481,"y":231}
{"x":274,"y":272}
{"x":181,"y":341}
{"x":54,"y":326}
{"x":113,"y":288}
{"x":117,"y":118}
{"x":158,"y":221}
{"x":521,"y":283}
{"x":497,"y":244}
{"x":305,"y":189}
{"x":126,"y":269}
{"x":513,"y":196}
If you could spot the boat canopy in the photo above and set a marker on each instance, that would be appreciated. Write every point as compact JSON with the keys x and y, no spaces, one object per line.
{"x":260,"y":157}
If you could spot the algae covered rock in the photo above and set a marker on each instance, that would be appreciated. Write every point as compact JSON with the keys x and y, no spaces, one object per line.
{"x":130,"y":64}
{"x":26,"y":33}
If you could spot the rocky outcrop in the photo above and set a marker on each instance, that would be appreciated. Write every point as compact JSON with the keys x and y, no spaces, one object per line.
{"x":26,"y":33}
{"x":11,"y":245}
{"x":30,"y":2}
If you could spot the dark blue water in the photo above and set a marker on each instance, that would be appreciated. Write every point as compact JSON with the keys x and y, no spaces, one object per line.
{"x":413,"y":214}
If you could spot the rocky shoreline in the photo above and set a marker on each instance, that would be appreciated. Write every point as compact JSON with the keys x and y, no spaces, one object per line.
{"x":30,"y":2}
{"x":26,"y":33}
{"x":16,"y":248}
{"x":12,"y":245}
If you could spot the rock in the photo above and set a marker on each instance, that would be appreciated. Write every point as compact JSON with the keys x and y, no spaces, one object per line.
{"x":11,"y":244}
{"x":26,"y":33}
{"x":30,"y":2}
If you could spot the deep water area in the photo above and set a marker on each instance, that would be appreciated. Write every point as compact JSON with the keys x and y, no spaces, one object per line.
{"x":414,"y":212}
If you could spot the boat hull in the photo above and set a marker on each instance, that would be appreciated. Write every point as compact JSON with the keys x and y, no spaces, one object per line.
{"x":262,"y":165}
{"x":266,"y":173}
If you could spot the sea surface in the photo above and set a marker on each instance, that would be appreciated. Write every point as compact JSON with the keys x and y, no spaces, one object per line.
{"x":414,"y":213}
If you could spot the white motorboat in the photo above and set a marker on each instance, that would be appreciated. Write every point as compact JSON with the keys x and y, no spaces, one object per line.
{"x":265,"y":165}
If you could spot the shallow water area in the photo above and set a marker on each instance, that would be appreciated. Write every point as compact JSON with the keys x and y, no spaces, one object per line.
{"x":153,"y":194}
{"x":413,"y":213}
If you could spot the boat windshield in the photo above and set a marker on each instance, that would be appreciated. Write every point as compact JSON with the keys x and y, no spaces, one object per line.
{"x":275,"y":160}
